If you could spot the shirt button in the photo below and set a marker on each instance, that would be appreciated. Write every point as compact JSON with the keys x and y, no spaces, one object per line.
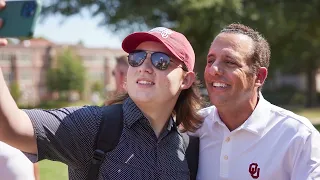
{"x":226,"y":157}
{"x":227,"y":139}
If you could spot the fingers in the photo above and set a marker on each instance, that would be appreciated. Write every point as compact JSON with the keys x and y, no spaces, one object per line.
{"x":1,"y":22}
{"x":3,"y":41}
{"x":2,"y":4}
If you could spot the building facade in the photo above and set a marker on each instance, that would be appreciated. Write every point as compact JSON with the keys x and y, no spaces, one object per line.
{"x":28,"y":62}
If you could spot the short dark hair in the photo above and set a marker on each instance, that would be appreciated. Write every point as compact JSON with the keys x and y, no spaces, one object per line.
{"x":261,"y":52}
{"x":122,"y":60}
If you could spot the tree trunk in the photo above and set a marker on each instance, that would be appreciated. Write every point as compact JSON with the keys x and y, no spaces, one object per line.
{"x":311,"y":95}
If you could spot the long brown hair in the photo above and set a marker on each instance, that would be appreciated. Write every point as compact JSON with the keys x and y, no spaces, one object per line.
{"x":186,"y":109}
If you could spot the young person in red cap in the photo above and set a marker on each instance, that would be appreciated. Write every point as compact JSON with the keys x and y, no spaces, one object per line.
{"x":162,"y":92}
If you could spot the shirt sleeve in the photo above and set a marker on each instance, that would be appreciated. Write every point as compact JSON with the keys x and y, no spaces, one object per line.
{"x":67,"y":134}
{"x":307,"y":165}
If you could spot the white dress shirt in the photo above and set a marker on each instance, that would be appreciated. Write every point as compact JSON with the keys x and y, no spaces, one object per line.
{"x":14,"y":165}
{"x":272,"y":144}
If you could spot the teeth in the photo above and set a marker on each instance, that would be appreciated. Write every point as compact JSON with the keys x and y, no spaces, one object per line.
{"x":219,"y":85}
{"x":145,"y":82}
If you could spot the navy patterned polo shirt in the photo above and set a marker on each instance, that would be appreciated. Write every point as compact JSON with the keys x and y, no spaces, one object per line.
{"x":68,"y":135}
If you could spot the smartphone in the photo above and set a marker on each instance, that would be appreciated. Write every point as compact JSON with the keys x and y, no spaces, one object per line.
{"x":19,"y":18}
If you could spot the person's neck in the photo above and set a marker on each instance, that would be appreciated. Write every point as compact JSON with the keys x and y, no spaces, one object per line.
{"x":235,"y":115}
{"x":158,"y":115}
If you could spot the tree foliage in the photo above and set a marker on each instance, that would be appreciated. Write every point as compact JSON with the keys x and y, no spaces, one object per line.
{"x":97,"y":86}
{"x":68,"y":75}
{"x":15,"y":91}
{"x":291,"y":27}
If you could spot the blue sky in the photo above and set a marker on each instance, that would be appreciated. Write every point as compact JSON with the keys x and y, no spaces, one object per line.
{"x":75,"y":28}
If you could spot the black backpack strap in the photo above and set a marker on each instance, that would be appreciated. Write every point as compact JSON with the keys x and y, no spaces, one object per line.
{"x":110,"y":131}
{"x":192,"y":154}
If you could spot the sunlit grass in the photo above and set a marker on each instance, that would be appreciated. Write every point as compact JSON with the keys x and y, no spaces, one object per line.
{"x":50,"y":170}
{"x":310,"y":113}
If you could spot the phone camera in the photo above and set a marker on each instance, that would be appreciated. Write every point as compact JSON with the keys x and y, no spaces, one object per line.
{"x":28,"y":9}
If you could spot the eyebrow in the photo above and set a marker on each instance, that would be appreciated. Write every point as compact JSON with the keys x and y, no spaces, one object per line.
{"x":210,"y":55}
{"x":232,"y":56}
{"x":227,"y":54}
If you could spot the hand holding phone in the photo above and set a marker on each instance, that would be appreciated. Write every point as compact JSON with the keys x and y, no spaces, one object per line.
{"x":19,"y":18}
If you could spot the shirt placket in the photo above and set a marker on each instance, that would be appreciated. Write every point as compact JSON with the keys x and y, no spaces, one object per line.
{"x":225,"y":156}
{"x":157,"y":141}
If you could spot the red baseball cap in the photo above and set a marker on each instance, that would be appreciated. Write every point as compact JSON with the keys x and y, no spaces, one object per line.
{"x":174,"y":41}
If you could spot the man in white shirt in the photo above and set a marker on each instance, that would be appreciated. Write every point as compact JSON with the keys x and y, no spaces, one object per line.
{"x":244,"y":136}
{"x":14,"y":165}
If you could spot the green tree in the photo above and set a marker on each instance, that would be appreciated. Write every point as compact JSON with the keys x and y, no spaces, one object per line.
{"x":199,"y":20}
{"x":97,"y":86}
{"x":68,"y":75}
{"x":291,"y":27}
{"x":15,"y":91}
{"x":293,"y":30}
{"x":303,"y":30}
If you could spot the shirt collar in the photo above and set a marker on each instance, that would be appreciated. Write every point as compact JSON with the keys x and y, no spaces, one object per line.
{"x":132,"y":114}
{"x":256,"y":122}
{"x":172,"y":124}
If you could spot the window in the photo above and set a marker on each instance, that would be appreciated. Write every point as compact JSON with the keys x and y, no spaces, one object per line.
{"x":96,"y":75}
{"x":7,"y":76}
{"x":93,"y":60}
{"x":25,"y":75}
{"x":5,"y":59}
{"x":24,"y":59}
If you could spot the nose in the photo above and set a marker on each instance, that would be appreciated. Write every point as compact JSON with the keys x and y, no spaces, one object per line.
{"x":215,"y":69}
{"x":146,"y":66}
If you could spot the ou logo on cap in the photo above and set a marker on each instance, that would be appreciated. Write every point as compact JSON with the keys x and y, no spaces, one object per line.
{"x":165,"y":32}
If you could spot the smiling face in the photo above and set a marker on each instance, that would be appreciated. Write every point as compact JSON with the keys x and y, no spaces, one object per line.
{"x":228,"y":76}
{"x":146,"y":84}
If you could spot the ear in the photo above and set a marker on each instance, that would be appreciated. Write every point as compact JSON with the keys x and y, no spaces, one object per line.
{"x":261,"y":76}
{"x":188,"y":80}
{"x":125,"y":86}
